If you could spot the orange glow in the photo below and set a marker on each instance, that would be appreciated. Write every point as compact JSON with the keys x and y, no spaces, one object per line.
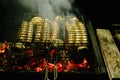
{"x":4,"y":46}
{"x":2,"y":50}
{"x":84,"y":64}
{"x":53,"y":52}
{"x":60,"y":67}
{"x":38,"y":69}
{"x":70,"y":66}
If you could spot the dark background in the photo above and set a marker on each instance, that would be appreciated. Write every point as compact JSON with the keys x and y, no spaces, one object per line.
{"x":102,"y":14}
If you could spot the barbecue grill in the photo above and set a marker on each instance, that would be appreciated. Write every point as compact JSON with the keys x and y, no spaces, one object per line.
{"x":56,"y":49}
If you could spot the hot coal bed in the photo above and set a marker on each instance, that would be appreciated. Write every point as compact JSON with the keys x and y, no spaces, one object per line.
{"x":59,"y":54}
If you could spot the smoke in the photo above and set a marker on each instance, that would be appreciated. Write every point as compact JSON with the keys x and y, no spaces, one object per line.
{"x":49,"y":8}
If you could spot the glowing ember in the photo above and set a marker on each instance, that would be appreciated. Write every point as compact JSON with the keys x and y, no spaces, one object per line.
{"x":38,"y":69}
{"x":70,"y":66}
{"x":2,"y":50}
{"x":39,"y":64}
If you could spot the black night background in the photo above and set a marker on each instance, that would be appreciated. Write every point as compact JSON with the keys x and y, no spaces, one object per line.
{"x":101,"y":13}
